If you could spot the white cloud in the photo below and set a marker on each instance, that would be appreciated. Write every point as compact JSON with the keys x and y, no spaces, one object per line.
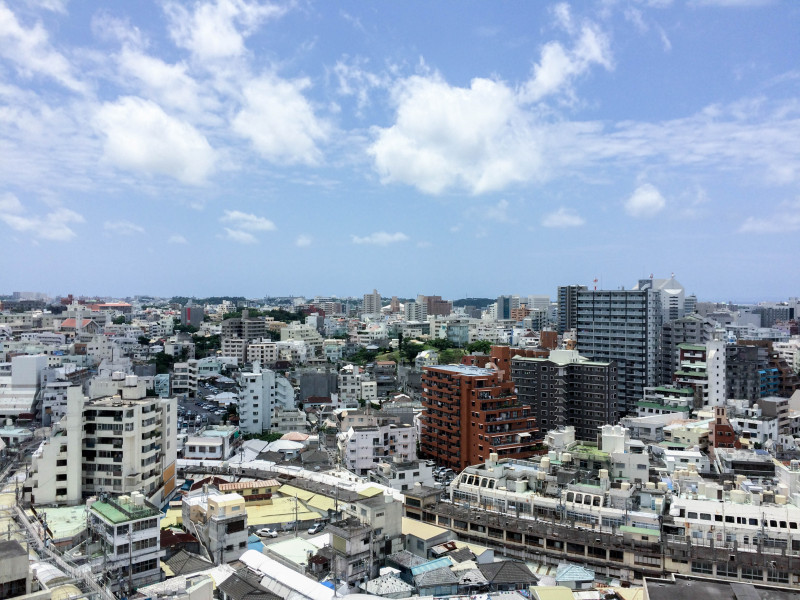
{"x":355,"y":80}
{"x":169,"y":84}
{"x":302,"y":241}
{"x":280,"y":122}
{"x":785,"y":220}
{"x":558,"y":67}
{"x":123,"y":228}
{"x":177,"y":239}
{"x":484,"y":137}
{"x":54,"y":225}
{"x":247,"y":221}
{"x":563,"y":217}
{"x":645,"y":202}
{"x":381,"y":238}
{"x":241,"y":237}
{"x":140,"y":136}
{"x":474,"y":138}
{"x":31,"y":52}
{"x":217,"y":30}
{"x":9,"y":203}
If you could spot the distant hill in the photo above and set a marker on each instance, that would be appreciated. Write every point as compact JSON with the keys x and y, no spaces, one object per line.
{"x":477,"y":302}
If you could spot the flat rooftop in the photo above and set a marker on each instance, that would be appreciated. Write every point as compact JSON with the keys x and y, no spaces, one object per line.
{"x":120,"y":510}
{"x":468,"y":370}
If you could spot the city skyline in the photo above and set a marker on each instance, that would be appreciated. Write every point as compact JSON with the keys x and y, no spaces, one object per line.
{"x":259,"y":149}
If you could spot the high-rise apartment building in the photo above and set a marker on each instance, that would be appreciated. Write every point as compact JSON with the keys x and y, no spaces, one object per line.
{"x":567,"y":389}
{"x":623,"y":326}
{"x":470,"y":413}
{"x":372,"y":304}
{"x":691,"y":329}
{"x":568,"y":306}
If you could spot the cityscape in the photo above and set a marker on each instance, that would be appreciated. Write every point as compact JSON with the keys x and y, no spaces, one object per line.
{"x":309,"y":300}
{"x":591,"y":440}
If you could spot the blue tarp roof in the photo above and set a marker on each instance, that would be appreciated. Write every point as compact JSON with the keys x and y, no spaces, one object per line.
{"x":431,"y":565}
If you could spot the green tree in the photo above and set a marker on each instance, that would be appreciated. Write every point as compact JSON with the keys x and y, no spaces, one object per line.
{"x":120,"y":320}
{"x":484,"y":346}
{"x":143,"y":340}
{"x":441,"y":344}
{"x":163,"y":361}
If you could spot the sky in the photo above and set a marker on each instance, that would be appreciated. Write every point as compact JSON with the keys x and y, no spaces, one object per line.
{"x":458,"y":148}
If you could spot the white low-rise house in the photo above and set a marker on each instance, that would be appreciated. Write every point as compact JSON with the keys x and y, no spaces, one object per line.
{"x":402,"y":475}
{"x":682,"y":459}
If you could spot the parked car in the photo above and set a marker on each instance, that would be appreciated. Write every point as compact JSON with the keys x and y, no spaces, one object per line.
{"x":267,"y":532}
{"x":316,"y":528}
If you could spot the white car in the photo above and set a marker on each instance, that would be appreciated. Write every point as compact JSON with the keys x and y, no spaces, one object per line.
{"x":267,"y":532}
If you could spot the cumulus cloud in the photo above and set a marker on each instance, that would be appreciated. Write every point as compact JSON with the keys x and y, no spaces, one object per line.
{"x":280,"y":122}
{"x":140,"y":136}
{"x":302,"y":241}
{"x":30,"y":51}
{"x":645,"y":202}
{"x":475,"y":138}
{"x":122,"y":228}
{"x":484,"y":137}
{"x":54,"y":225}
{"x":217,"y":30}
{"x":785,"y":220}
{"x":563,"y":217}
{"x":381,"y":238}
{"x":177,"y":239}
{"x":247,"y":221}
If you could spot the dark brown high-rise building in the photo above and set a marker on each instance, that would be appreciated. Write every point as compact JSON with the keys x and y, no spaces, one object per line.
{"x":567,"y":389}
{"x":471,"y":413}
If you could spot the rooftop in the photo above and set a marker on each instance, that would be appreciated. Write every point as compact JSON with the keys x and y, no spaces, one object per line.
{"x":123,"y":509}
{"x":466,"y":370}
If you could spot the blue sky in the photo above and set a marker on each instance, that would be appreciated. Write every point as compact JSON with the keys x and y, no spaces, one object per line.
{"x":452,"y":148}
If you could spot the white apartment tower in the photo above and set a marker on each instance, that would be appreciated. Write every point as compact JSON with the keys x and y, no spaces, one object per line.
{"x":116,"y":444}
{"x":256,"y":399}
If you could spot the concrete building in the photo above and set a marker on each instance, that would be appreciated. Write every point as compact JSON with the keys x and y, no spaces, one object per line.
{"x":15,"y":572}
{"x":128,"y":531}
{"x":470,"y":413}
{"x":257,"y":399}
{"x":691,"y":329}
{"x":623,"y":326}
{"x":362,"y":447}
{"x":568,"y":306}
{"x":219,"y":521}
{"x":303,"y":333}
{"x":372,"y":304}
{"x":567,"y":389}
{"x":192,"y":314}
{"x":116,"y":444}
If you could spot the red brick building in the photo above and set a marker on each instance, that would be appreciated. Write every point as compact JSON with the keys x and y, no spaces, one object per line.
{"x":469,"y":413}
{"x":720,"y":432}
